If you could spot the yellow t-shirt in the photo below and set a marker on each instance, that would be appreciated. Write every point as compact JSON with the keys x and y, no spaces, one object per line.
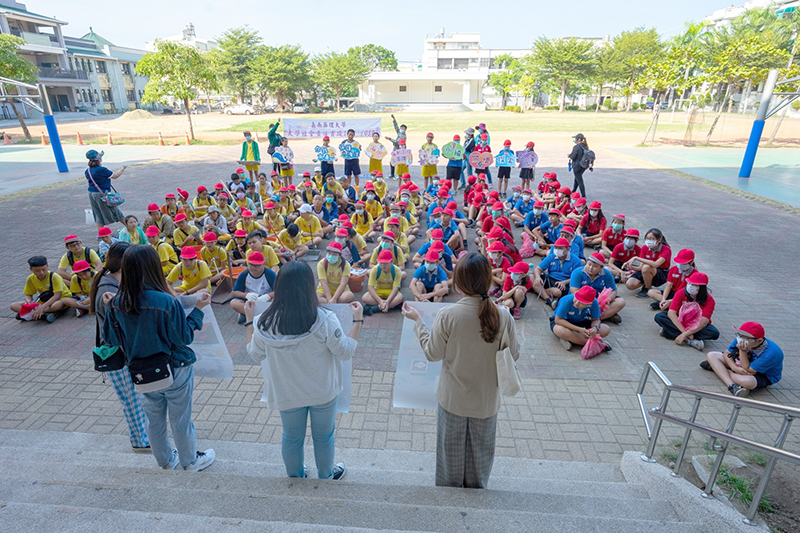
{"x":227,"y":212}
{"x":191,"y":278}
{"x":318,"y":182}
{"x":403,"y":224}
{"x":251,"y":155}
{"x":274,"y":225}
{"x":397,"y":253}
{"x":78,"y":285}
{"x":216,"y":260}
{"x":288,"y":241}
{"x":201,"y":205}
{"x":384,"y":284}
{"x":381,"y":188}
{"x":166,"y":253}
{"x":360,"y":226}
{"x":333,"y":274}
{"x":93,"y":258}
{"x":287,"y":205}
{"x":276,"y":184}
{"x":34,"y":286}
{"x":248,"y":228}
{"x":375,"y":209}
{"x":178,"y":236}
{"x":270,"y":257}
{"x":361,"y":244}
{"x":336,"y":188}
{"x":312,"y":225}
{"x":416,"y":200}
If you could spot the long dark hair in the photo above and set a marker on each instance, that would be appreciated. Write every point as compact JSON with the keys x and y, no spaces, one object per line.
{"x":473,"y":277}
{"x":658,"y":235}
{"x":113,"y":264}
{"x":294,"y":308}
{"x":141,"y":270}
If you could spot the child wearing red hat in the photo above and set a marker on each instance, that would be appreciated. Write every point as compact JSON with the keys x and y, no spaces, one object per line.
{"x":612,"y":235}
{"x":551,"y":277}
{"x":684,"y":331}
{"x":376,"y":165}
{"x":599,"y":278}
{"x":238,"y":247}
{"x":504,"y":172}
{"x":106,"y":239}
{"x":185,"y":234}
{"x":164,"y":223}
{"x":577,"y":319}
{"x":193,"y":273}
{"x":170,"y":206}
{"x":215,"y":256}
{"x":80,"y":286}
{"x":527,"y":175}
{"x":592,"y":225}
{"x":499,"y":261}
{"x":516,"y":285}
{"x":202,"y":202}
{"x":651,"y":266}
{"x":49,"y":288}
{"x":334,"y":274}
{"x":429,"y":283}
{"x":453,"y":171}
{"x":676,"y":279}
{"x":76,"y":252}
{"x":352,"y":147}
{"x":256,"y":283}
{"x":383,"y":288}
{"x":166,"y":253}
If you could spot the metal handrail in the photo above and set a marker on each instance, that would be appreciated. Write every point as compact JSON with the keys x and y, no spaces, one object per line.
{"x":726,"y":437}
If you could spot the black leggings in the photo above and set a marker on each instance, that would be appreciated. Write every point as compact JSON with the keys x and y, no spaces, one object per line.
{"x":578,"y":171}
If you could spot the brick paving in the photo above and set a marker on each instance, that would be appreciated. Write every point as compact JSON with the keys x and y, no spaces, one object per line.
{"x":570,"y":409}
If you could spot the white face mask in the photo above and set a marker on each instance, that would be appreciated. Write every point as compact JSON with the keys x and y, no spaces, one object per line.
{"x":593,"y":212}
{"x":629,"y":243}
{"x":496,"y":256}
{"x":650,"y":243}
{"x":404,"y":198}
{"x":692,"y":289}
{"x":559,"y":252}
{"x":537,"y":211}
{"x":526,"y":197}
{"x":684,"y":268}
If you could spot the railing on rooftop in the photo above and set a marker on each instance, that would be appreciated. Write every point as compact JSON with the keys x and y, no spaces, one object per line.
{"x":62,"y":73}
{"x":725,"y":436}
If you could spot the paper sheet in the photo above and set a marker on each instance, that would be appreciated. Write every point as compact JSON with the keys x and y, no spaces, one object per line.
{"x":213,"y":359}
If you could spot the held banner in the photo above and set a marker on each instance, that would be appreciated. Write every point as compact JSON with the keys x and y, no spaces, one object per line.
{"x":505,"y":159}
{"x":283,"y":154}
{"x":325,"y":153}
{"x":527,"y":159}
{"x":294,"y":128}
{"x":453,"y":150}
{"x":375,"y":151}
{"x":403,"y":156}
{"x":481,"y":160}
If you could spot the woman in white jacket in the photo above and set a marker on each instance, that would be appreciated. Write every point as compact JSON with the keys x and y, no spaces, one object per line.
{"x":304,"y":346}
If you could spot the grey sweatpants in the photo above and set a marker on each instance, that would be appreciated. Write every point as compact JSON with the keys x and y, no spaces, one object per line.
{"x":464,"y":450}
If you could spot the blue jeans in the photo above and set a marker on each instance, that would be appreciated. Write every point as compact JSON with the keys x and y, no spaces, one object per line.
{"x":177,"y":400}
{"x":466,"y":170}
{"x":323,"y":418}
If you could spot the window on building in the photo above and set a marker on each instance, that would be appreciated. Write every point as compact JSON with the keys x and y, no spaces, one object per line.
{"x":444,"y":64}
{"x":78,"y":96}
{"x":91,"y":68}
{"x":403,"y":88}
{"x":96,"y":96}
{"x":461,"y":63}
{"x":101,"y":67}
{"x":126,"y":68}
{"x":106,"y":95}
{"x":484,"y":62}
{"x":86,"y":98}
{"x":437,"y":88}
{"x":131,"y":95}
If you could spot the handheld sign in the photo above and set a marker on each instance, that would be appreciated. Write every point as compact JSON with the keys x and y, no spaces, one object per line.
{"x":249,"y":163}
{"x":402,"y":156}
{"x":283,"y":154}
{"x":350,"y":150}
{"x":376,"y":151}
{"x":429,"y":157}
{"x":505,"y":159}
{"x":527,"y":159}
{"x":325,"y":153}
{"x":453,"y":150}
{"x":481,"y":160}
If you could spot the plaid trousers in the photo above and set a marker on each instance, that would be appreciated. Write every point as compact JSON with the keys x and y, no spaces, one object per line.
{"x":131,"y":406}
{"x":464,"y":450}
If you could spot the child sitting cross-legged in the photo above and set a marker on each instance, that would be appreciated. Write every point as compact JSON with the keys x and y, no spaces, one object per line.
{"x":80,"y":285}
{"x":49,"y":291}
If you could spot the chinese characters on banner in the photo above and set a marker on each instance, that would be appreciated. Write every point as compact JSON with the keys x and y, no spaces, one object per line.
{"x":375,"y":150}
{"x":527,"y":159}
{"x":453,"y":150}
{"x":294,"y":128}
{"x":325,"y":153}
{"x":403,"y":156}
{"x":480,"y":160}
{"x":505,"y":159}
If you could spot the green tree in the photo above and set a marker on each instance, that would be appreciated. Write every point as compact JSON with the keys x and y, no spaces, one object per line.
{"x":339,"y":73}
{"x":665,"y":74}
{"x":234,"y":59}
{"x":563,"y":62}
{"x":15,"y":67}
{"x":176,"y":71}
{"x":636,"y":50}
{"x":376,"y":57}
{"x":508,"y":78}
{"x":281,"y":72}
{"x":608,"y":70}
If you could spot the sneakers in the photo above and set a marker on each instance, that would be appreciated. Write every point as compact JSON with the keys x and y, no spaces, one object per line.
{"x":697,"y":344}
{"x":50,"y":317}
{"x":516,"y":313}
{"x":370,"y":240}
{"x":174,"y":461}
{"x":554,"y":303}
{"x":705,"y":365}
{"x":80,"y":312}
{"x":661,"y":333}
{"x":566,"y":344}
{"x":203,"y":461}
{"x":737,"y":390}
{"x":655,"y":306}
{"x":607,"y":348}
{"x":642,"y":293}
{"x":338,"y":471}
{"x":242,"y":319}
{"x":369,"y":310}
{"x":616,"y":319}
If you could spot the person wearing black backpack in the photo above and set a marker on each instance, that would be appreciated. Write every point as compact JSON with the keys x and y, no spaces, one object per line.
{"x":580,"y":159}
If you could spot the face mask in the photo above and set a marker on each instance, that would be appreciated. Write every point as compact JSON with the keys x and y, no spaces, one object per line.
{"x":379,"y":178}
{"x":404,"y":198}
{"x":496,"y":214}
{"x":573,"y":201}
{"x":329,"y":200}
{"x":650,"y":243}
{"x":340,"y":240}
{"x":616,"y":227}
{"x":537,"y":211}
{"x":430,"y":267}
{"x":685,"y":268}
{"x":593,"y":212}
{"x":437,"y":220}
{"x":692,"y":289}
{"x":385,"y":245}
{"x":359,"y":212}
{"x":526,"y":197}
{"x":435,"y":183}
{"x":515,"y":277}
{"x":395,"y":214}
{"x":240,"y":195}
{"x":332,"y":258}
{"x":629,"y":243}
{"x":559,"y":252}
{"x":370,"y":197}
{"x":246,"y":137}
{"x":496,"y":257}
{"x":516,"y":194}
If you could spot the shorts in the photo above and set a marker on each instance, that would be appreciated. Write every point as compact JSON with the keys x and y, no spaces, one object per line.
{"x":453,"y":174}
{"x":658,"y":280}
{"x":524,"y":302}
{"x":375,"y":165}
{"x":253,"y":168}
{"x":762,"y":381}
{"x":429,"y":170}
{"x":585,"y":324}
{"x":383,"y":293}
{"x":285,"y":172}
{"x":617,"y":264}
{"x":503,"y":173}
{"x":351,"y":167}
{"x":429,"y":290}
{"x":526,"y":174}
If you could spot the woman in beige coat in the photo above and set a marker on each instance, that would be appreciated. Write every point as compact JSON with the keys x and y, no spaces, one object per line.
{"x":465,"y":337}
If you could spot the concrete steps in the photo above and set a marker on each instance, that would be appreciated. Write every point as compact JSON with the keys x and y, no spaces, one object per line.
{"x":83,"y":482}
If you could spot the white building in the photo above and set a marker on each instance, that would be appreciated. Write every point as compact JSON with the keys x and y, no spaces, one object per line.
{"x":724,"y":16}
{"x":188,"y":37}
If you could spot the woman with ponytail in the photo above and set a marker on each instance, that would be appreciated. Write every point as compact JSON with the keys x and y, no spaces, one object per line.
{"x":465,"y":337}
{"x":107,"y":280}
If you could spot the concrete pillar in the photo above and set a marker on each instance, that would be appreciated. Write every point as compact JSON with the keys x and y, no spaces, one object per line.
{"x":466,"y":92}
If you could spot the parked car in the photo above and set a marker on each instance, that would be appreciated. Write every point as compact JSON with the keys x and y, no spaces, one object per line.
{"x":200,"y":109}
{"x":169,"y":110}
{"x":240,"y":109}
{"x":649,"y":105}
{"x":300,"y":107}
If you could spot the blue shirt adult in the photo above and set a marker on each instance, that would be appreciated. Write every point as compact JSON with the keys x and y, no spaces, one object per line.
{"x":524,"y":207}
{"x":101,"y":176}
{"x":604,"y":280}
{"x":551,"y":232}
{"x":447,"y":255}
{"x":430,"y":279}
{"x":533,"y":220}
{"x":448,"y":230}
{"x":560,"y":269}
{"x":767,"y":359}
{"x":566,"y":310}
{"x":160,"y":327}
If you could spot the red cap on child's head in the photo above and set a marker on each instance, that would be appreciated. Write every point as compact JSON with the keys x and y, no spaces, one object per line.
{"x":151,"y":231}
{"x":180,"y":216}
{"x":70,"y":238}
{"x":240,"y":233}
{"x":210,"y":236}
{"x":152,"y":207}
{"x":104,"y":232}
{"x":586,"y":294}
{"x":188,"y":252}
{"x":80,"y":266}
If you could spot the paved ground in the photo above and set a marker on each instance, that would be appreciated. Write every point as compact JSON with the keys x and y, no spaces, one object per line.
{"x":571,"y":409}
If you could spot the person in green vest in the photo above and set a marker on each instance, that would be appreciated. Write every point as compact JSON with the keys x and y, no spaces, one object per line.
{"x":250,"y":153}
{"x":274,"y":141}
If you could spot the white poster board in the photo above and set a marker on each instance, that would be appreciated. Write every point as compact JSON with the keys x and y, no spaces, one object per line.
{"x":345,"y":316}
{"x":416,"y":379}
{"x":213,"y":359}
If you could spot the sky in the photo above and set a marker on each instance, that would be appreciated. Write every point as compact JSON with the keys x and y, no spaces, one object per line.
{"x":320,"y":26}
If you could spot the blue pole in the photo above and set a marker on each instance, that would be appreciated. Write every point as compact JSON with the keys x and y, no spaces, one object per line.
{"x":752,"y":148}
{"x":55,"y":142}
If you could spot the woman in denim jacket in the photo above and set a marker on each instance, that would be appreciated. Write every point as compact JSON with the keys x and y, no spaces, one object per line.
{"x":145,"y":319}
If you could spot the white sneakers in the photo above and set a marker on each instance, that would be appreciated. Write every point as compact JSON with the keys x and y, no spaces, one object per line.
{"x":203,"y":461}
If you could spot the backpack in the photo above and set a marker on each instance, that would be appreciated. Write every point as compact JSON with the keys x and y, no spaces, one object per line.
{"x":46,"y":295}
{"x":380,"y":271}
{"x":71,"y":257}
{"x":587,"y":159}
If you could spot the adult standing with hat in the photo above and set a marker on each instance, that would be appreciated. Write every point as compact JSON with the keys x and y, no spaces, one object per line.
{"x":99,"y":178}
{"x":751,"y":362}
{"x":576,"y":162}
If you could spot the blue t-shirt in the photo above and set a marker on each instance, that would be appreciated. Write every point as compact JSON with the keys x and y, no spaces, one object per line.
{"x":511,"y":202}
{"x":533,"y":221}
{"x":551,"y":232}
{"x":246,"y":282}
{"x":332,"y":209}
{"x":448,"y":231}
{"x":769,"y":363}
{"x":430,"y":279}
{"x":447,"y":254}
{"x":454,"y":163}
{"x":524,"y":207}
{"x":101,"y":176}
{"x":432,"y":190}
{"x":576,"y":248}
{"x":326,"y":217}
{"x":604,"y":279}
{"x":350,"y":192}
{"x":567,"y":311}
{"x":560,"y":270}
